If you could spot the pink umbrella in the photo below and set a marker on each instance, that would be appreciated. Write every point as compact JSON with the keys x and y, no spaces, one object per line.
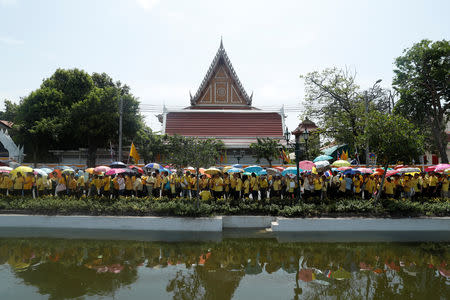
{"x":391,"y":172}
{"x":399,"y":167}
{"x":4,"y":171}
{"x":281,"y":169}
{"x":441,"y":167}
{"x":365,"y":170}
{"x":101,"y":169}
{"x":115,"y":171}
{"x":306,"y":165}
{"x":344,"y":168}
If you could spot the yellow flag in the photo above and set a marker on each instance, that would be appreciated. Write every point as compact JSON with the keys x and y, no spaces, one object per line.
{"x":134,"y":154}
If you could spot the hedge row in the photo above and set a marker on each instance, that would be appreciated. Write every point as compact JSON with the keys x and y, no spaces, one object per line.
{"x":51,"y":205}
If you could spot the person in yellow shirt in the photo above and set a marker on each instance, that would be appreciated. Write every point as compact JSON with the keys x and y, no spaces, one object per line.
{"x":357,"y":185}
{"x":276,"y":186}
{"x":444,"y":188}
{"x":106,"y":186}
{"x":232,"y":186}
{"x":238,"y":190}
{"x":263,"y":186}
{"x":2,"y":183}
{"x":72,"y":185}
{"x":206,"y":195}
{"x":173,"y":181}
{"x":254,"y":187}
{"x":128,"y":186}
{"x":18,"y":184}
{"x":432,"y":184}
{"x":150,"y":184}
{"x":193,"y":185}
{"x":28,"y":183}
{"x":317,"y":182}
{"x":158,"y":183}
{"x":165,"y":184}
{"x":81,"y":186}
{"x":325,"y":183}
{"x":388,"y":188}
{"x":227,"y":185}
{"x":61,"y":188}
{"x":246,"y":186}
{"x":185,"y":183}
{"x":218,"y":187}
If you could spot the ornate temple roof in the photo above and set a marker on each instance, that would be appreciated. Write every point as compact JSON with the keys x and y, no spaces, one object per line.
{"x":221,"y":85}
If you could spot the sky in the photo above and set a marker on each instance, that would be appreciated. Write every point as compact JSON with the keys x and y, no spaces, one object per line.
{"x":162,"y":49}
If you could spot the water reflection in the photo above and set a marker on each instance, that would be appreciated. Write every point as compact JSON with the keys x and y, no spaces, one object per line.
{"x":65,"y":269}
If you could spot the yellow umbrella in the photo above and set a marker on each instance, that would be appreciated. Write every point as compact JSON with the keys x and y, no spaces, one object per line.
{"x":67,"y":171}
{"x":341,"y":163}
{"x":225,"y":169}
{"x":212,"y":171}
{"x":22,"y":169}
{"x":89,"y":170}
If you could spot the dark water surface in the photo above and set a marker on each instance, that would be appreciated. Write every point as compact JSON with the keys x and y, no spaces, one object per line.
{"x":36,"y":264}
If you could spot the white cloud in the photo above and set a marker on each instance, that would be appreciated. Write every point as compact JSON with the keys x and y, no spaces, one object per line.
{"x":10,"y":41}
{"x":145,"y":4}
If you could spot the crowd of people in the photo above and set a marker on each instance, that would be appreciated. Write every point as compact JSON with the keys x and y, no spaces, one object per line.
{"x":233,"y":187}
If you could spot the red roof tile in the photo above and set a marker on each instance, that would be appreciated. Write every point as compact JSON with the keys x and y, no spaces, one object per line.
{"x":224,"y":124}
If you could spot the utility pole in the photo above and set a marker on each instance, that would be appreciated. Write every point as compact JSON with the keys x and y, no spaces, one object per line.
{"x":120,"y":126}
{"x":366,"y":100}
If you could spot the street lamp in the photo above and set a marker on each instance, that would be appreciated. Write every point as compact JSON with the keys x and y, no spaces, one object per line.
{"x":305,"y":136}
{"x":287,"y":136}
{"x":367,"y":116}
{"x":238,"y":154}
{"x":298,"y":132}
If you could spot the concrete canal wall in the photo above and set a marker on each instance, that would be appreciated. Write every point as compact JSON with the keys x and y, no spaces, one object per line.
{"x":217,"y":224}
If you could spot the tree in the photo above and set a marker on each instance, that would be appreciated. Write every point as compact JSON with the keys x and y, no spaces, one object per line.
{"x":422,"y":80}
{"x":10,"y":111}
{"x":338,"y":104}
{"x":266,"y":148}
{"x":73,"y":109}
{"x":151,"y":146}
{"x":393,"y":138}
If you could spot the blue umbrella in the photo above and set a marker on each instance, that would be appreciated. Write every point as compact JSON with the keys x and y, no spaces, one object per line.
{"x":235,"y":170}
{"x":47,"y":170}
{"x":63,"y":168}
{"x":291,"y":170}
{"x":153,"y":166}
{"x":263,"y":172}
{"x":117,"y":165}
{"x":351,"y":172}
{"x":322,"y":157}
{"x":237,"y":166}
{"x":164,"y":169}
{"x":253,"y":169}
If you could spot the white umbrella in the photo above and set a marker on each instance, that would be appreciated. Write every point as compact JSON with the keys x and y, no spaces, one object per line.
{"x":322,"y":164}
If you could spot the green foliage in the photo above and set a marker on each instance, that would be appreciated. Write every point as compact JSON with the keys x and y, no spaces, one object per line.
{"x":421,"y":79}
{"x":51,"y":205}
{"x":393,"y":138}
{"x":334,"y":99}
{"x":266,"y":148}
{"x":73,"y":109}
{"x":151,"y":146}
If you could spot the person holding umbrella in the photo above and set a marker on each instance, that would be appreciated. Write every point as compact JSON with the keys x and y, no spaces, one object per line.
{"x":254,"y":187}
{"x":28,"y":184}
{"x":18,"y":185}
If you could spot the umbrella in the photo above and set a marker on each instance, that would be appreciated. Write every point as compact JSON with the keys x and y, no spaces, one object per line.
{"x":4,"y":171}
{"x":89,"y":170}
{"x":441,"y":167}
{"x":234,"y":170}
{"x":281,"y":169}
{"x":365,"y":170}
{"x":190,"y":169}
{"x":322,"y":164}
{"x":6,"y":168}
{"x":136,"y":168}
{"x":408,"y":170}
{"x":342,"y":169}
{"x":322,"y":158}
{"x":351,"y":172}
{"x":67,"y":171}
{"x":447,"y":171}
{"x":341,"y":163}
{"x":400,"y":167}
{"x":212,"y":171}
{"x":22,"y":170}
{"x":101,"y":169}
{"x":306,"y":165}
{"x":237,"y":166}
{"x":263,"y":172}
{"x":117,"y":164}
{"x":430,"y":169}
{"x":340,"y":274}
{"x":226,"y":168}
{"x":115,"y":171}
{"x":47,"y":170}
{"x":291,"y":170}
{"x":153,"y":166}
{"x":40,"y":172}
{"x":253,"y":169}
{"x":272,"y":171}
{"x":247,"y":173}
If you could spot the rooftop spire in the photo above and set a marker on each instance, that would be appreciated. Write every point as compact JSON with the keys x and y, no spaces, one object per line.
{"x":221,"y":43}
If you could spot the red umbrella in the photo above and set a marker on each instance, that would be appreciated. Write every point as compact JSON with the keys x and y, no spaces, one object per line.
{"x":391,"y":172}
{"x":101,"y":169}
{"x":430,"y":169}
{"x":365,"y":170}
{"x":441,"y":167}
{"x":139,"y":169}
{"x":399,"y":167}
{"x":281,"y":169}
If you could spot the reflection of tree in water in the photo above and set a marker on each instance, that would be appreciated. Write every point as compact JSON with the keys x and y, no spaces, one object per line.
{"x":207,"y":270}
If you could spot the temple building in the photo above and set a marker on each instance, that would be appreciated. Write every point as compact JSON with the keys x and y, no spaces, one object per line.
{"x":222,"y":109}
